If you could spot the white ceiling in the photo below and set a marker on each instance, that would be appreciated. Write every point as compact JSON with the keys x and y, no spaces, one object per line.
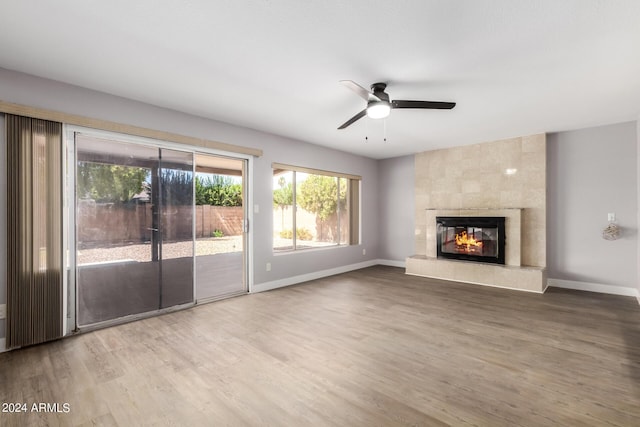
{"x":515,"y":67}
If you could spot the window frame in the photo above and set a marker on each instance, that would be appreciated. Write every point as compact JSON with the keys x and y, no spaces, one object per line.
{"x":353,"y":206}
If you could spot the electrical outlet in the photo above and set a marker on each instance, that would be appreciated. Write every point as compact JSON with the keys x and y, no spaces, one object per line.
{"x":611,"y":216}
{"x":3,"y":311}
{"x":268,"y":266}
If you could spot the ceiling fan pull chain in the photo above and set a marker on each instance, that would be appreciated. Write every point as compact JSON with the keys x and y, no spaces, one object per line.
{"x":385,"y":130}
{"x":366,"y":134}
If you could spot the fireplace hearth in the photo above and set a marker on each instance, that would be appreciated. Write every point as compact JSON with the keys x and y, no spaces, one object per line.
{"x":479,"y":239}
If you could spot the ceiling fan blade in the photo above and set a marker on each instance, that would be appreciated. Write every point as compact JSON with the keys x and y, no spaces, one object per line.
{"x":359,"y":90}
{"x":353,"y":119}
{"x":423,"y":104}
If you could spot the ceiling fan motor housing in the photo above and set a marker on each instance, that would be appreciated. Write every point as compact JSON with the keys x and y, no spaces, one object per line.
{"x":378,"y":90}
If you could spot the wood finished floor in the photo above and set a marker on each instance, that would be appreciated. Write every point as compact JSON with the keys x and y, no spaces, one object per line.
{"x":366,"y":348}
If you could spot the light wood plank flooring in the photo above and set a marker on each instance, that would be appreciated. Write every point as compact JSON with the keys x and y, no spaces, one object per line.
{"x":372,"y":347}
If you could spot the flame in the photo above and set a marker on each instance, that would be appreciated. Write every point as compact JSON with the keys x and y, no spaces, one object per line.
{"x":463,"y":240}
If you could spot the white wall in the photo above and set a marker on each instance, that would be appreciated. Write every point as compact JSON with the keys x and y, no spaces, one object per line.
{"x":396,"y":208}
{"x":591,"y":172}
{"x":37,"y":92}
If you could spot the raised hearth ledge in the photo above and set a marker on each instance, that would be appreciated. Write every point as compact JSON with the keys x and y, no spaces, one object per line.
{"x":473,"y":209}
{"x":530,"y":279}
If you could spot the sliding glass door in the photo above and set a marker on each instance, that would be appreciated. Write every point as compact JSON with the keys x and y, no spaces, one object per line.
{"x":134,"y":228}
{"x":220,"y":227}
{"x":175,"y":233}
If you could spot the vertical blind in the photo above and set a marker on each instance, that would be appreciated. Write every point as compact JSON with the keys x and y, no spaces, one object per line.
{"x":34,"y":231}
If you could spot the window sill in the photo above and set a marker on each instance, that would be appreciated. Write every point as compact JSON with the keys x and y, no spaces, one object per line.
{"x":308,"y":249}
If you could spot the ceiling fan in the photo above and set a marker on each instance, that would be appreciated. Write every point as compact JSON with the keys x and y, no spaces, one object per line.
{"x":379,"y":106}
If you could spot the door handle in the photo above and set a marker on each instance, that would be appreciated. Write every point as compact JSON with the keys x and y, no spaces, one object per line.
{"x":153,"y":229}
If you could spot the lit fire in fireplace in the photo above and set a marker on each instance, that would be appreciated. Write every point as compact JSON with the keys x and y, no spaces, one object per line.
{"x":470,"y":243}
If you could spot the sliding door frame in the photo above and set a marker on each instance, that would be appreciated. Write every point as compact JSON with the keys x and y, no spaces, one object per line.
{"x":69,"y":323}
{"x":70,"y":297}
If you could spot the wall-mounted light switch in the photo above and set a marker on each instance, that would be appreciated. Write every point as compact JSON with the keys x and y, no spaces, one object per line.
{"x":611,"y":216}
{"x":268,"y":266}
{"x":3,"y":311}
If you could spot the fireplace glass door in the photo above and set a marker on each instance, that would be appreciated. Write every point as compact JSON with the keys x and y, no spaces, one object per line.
{"x":470,"y":241}
{"x":471,"y":238}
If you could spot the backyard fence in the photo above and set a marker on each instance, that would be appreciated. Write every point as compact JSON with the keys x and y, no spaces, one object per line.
{"x":113,"y":224}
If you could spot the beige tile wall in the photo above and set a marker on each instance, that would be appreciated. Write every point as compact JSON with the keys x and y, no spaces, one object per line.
{"x":473,"y":176}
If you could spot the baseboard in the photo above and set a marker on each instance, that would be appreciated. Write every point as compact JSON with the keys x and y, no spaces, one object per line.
{"x":594,"y":287}
{"x":392,"y":263}
{"x":3,"y":347}
{"x":267,"y":286}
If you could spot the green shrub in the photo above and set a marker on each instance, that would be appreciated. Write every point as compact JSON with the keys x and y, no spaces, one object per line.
{"x":217,"y":233}
{"x":301,"y":234}
{"x":218,"y":190}
{"x":286,"y":234}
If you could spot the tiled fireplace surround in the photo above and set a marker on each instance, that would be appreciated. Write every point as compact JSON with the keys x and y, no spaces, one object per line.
{"x":502,"y":178}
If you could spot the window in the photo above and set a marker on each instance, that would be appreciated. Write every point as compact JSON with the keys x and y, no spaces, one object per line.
{"x":322,"y":207}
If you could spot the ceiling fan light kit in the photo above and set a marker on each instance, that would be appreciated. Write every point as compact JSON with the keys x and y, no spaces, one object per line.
{"x":379,"y":106}
{"x":378,"y":109}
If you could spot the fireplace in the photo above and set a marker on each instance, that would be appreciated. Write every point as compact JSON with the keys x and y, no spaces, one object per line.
{"x":480,"y":239}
